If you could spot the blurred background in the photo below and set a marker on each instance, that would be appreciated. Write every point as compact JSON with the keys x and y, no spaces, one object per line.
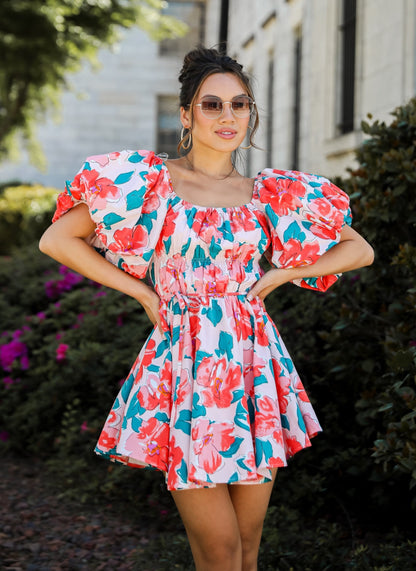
{"x":335,"y":85}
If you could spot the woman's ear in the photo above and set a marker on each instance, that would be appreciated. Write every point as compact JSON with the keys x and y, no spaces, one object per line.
{"x":185,"y":116}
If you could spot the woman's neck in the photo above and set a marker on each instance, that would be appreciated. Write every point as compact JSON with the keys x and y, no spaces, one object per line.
{"x":215,"y":166}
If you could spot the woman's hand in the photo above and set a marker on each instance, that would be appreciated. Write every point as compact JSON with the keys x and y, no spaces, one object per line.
{"x":267,"y":283}
{"x":151,"y":307}
{"x":350,"y":253}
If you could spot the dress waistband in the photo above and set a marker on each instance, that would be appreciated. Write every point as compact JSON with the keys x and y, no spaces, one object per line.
{"x":185,"y":298}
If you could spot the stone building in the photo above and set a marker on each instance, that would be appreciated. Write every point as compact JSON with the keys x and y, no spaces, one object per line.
{"x":319,"y":66}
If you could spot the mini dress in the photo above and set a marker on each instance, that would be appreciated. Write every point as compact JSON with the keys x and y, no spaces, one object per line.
{"x":216,"y":398}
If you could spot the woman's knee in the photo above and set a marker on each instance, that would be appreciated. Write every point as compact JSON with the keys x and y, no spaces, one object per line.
{"x":221,"y":546}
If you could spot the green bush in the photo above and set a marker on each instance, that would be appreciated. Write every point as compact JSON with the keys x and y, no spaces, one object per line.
{"x":355,"y":346}
{"x":25,"y":212}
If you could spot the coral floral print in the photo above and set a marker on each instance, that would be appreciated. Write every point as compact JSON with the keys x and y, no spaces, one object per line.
{"x":216,"y":397}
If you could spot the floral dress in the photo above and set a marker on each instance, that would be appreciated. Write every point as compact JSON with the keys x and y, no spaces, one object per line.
{"x":215,"y":398}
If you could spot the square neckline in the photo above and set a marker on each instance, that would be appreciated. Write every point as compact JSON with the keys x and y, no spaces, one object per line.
{"x":184,"y":202}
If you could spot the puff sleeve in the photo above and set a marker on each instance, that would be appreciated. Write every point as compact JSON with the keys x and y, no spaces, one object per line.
{"x":127,"y":194}
{"x":305,"y":214}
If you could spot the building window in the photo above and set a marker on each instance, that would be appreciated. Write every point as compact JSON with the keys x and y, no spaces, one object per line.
{"x":270,"y":117}
{"x":168,"y":125}
{"x":297,"y":101}
{"x":347,"y":30}
{"x":193,"y":14}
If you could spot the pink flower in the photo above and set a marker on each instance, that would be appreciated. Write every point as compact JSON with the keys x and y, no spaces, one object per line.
{"x":61,"y":352}
{"x":13,"y":351}
{"x":84,"y":426}
{"x":209,"y":440}
{"x":41,"y":315}
{"x":4,"y":436}
{"x":8,"y":382}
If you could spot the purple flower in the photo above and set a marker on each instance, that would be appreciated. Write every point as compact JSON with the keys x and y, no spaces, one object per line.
{"x":4,"y":436}
{"x":119,"y":321}
{"x":84,"y":426}
{"x":100,"y":294}
{"x":41,"y":315}
{"x":61,"y":352}
{"x":54,"y":288}
{"x":11,"y":352}
{"x":8,"y":382}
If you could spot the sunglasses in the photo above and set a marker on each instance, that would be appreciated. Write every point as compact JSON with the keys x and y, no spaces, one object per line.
{"x":212,"y":107}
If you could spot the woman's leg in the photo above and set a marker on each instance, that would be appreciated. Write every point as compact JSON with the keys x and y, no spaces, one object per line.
{"x":250,"y":504}
{"x":212,"y":527}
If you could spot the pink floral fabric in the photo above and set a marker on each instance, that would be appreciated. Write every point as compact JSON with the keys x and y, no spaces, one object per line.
{"x":216,"y":397}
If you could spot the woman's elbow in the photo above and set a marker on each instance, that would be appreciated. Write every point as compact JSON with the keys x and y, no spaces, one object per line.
{"x":47,"y":242}
{"x":367,"y":255}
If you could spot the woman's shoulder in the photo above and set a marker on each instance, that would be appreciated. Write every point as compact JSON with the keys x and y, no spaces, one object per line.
{"x":305,"y":186}
{"x":128,"y":158}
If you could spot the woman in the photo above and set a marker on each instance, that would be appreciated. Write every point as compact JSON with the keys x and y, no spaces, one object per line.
{"x":213,"y":399}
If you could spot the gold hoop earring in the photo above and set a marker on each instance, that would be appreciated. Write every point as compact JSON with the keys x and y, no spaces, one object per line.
{"x":250,"y":145}
{"x":187,"y":136}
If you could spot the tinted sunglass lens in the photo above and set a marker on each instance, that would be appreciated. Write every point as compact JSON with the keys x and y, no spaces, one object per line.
{"x":211,"y":107}
{"x":241,"y":106}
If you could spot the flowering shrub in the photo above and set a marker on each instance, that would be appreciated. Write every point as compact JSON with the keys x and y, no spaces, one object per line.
{"x":63,"y":341}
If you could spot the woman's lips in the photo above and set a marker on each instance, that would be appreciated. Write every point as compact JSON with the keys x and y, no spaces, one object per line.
{"x":226,"y":133}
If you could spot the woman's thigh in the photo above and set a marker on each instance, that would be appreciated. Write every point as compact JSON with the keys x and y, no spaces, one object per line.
{"x":250,"y":504}
{"x":211,"y":525}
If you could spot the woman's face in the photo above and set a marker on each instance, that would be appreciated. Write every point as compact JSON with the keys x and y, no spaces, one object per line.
{"x":226,"y":132}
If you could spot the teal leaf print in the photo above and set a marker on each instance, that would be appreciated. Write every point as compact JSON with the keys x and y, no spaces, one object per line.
{"x":184,"y":422}
{"x":168,"y":244}
{"x":136,"y":423}
{"x":126,"y":388}
{"x":285,"y":422}
{"x":198,"y":257}
{"x":225,"y":230}
{"x":237,"y":395}
{"x":183,"y":471}
{"x":153,"y":368}
{"x":214,"y":313}
{"x":135,"y":409}
{"x":288,"y":364}
{"x":185,"y":247}
{"x":263,"y":449}
{"x":110,"y":219}
{"x":240,"y":417}
{"x":293,"y":231}
{"x":272,"y":216}
{"x":225,"y":345}
{"x":233,"y":478}
{"x":147,"y":220}
{"x":134,"y":199}
{"x":301,"y":422}
{"x":197,"y":409}
{"x":240,"y":462}
{"x":162,"y":417}
{"x":161,"y":348}
{"x":259,"y":380}
{"x":123,"y":177}
{"x":135,"y":158}
{"x":214,"y":248}
{"x":232,"y":449}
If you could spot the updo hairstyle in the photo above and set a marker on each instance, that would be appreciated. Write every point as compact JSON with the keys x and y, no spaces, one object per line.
{"x":199,"y":64}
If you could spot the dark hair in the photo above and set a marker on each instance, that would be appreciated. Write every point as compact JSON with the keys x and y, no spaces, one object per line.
{"x":199,"y":64}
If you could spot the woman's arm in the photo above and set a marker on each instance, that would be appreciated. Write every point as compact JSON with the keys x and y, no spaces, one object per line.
{"x":350,"y":253}
{"x":65,"y":242}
